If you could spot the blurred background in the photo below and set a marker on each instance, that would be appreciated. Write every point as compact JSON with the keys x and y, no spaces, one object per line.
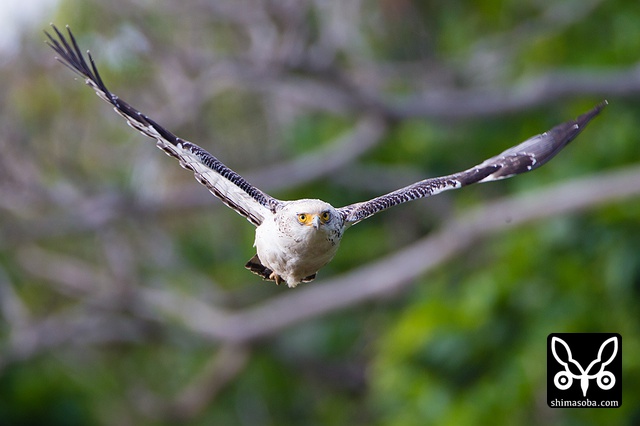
{"x":123,"y":296}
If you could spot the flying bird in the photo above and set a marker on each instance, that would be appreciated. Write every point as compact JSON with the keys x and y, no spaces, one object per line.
{"x":295,"y":239}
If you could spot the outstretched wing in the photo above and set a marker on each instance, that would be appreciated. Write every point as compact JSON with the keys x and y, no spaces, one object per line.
{"x":223,"y":182}
{"x":522,"y":158}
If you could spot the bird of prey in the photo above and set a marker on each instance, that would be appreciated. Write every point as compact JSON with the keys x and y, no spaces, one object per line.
{"x":294,"y":239}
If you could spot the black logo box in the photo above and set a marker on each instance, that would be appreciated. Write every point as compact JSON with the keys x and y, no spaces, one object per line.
{"x":592,"y":365}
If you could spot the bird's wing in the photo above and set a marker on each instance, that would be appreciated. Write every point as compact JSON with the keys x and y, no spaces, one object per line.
{"x":223,"y":182}
{"x":521,"y":158}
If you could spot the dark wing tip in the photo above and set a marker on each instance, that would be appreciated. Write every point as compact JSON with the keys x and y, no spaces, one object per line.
{"x":72,"y":57}
{"x":583,"y":119}
{"x":538,"y":150}
{"x":564,"y":133}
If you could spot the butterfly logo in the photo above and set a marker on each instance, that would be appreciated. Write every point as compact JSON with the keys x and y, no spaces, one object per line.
{"x":573,"y":370}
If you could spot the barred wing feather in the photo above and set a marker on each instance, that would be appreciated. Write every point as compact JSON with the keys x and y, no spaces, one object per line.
{"x":231,"y":188}
{"x":522,"y":158}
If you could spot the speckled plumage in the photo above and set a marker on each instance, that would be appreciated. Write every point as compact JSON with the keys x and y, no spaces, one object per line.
{"x":294,"y":239}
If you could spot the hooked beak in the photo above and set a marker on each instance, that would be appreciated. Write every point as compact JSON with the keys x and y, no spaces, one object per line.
{"x":316,"y":221}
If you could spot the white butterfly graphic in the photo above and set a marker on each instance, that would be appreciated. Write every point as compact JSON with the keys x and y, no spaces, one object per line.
{"x":564,"y":379}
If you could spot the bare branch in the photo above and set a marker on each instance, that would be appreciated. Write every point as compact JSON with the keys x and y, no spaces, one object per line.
{"x":196,"y":396}
{"x":337,"y":92}
{"x":549,"y":88}
{"x":70,"y":329}
{"x":490,"y":53}
{"x":96,"y":212}
{"x":344,"y":150}
{"x":12,"y":309}
{"x":216,"y":375}
{"x":68,"y":275}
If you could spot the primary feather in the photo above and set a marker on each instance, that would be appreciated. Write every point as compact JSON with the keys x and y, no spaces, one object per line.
{"x":223,"y":182}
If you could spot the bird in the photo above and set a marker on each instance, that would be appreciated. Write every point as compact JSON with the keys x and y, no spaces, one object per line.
{"x":295,"y":239}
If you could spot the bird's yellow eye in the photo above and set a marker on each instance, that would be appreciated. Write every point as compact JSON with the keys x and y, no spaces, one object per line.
{"x":325,"y":217}
{"x":303,"y":218}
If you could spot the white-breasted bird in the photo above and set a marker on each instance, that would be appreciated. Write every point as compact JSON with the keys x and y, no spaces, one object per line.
{"x":294,"y":239}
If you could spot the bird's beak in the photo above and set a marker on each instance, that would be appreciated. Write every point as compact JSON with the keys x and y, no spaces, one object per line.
{"x":316,"y":221}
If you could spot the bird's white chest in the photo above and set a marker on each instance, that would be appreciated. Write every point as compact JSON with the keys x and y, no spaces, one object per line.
{"x":293,"y":251}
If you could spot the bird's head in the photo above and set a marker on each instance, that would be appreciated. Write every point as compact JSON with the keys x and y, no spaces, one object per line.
{"x":314,"y":215}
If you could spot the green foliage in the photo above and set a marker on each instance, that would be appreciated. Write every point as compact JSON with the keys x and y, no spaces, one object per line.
{"x":42,"y":393}
{"x":473,"y":350}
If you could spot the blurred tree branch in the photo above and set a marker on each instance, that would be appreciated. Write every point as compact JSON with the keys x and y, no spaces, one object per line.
{"x":93,"y":213}
{"x":546,"y":89}
{"x":363,"y":89}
